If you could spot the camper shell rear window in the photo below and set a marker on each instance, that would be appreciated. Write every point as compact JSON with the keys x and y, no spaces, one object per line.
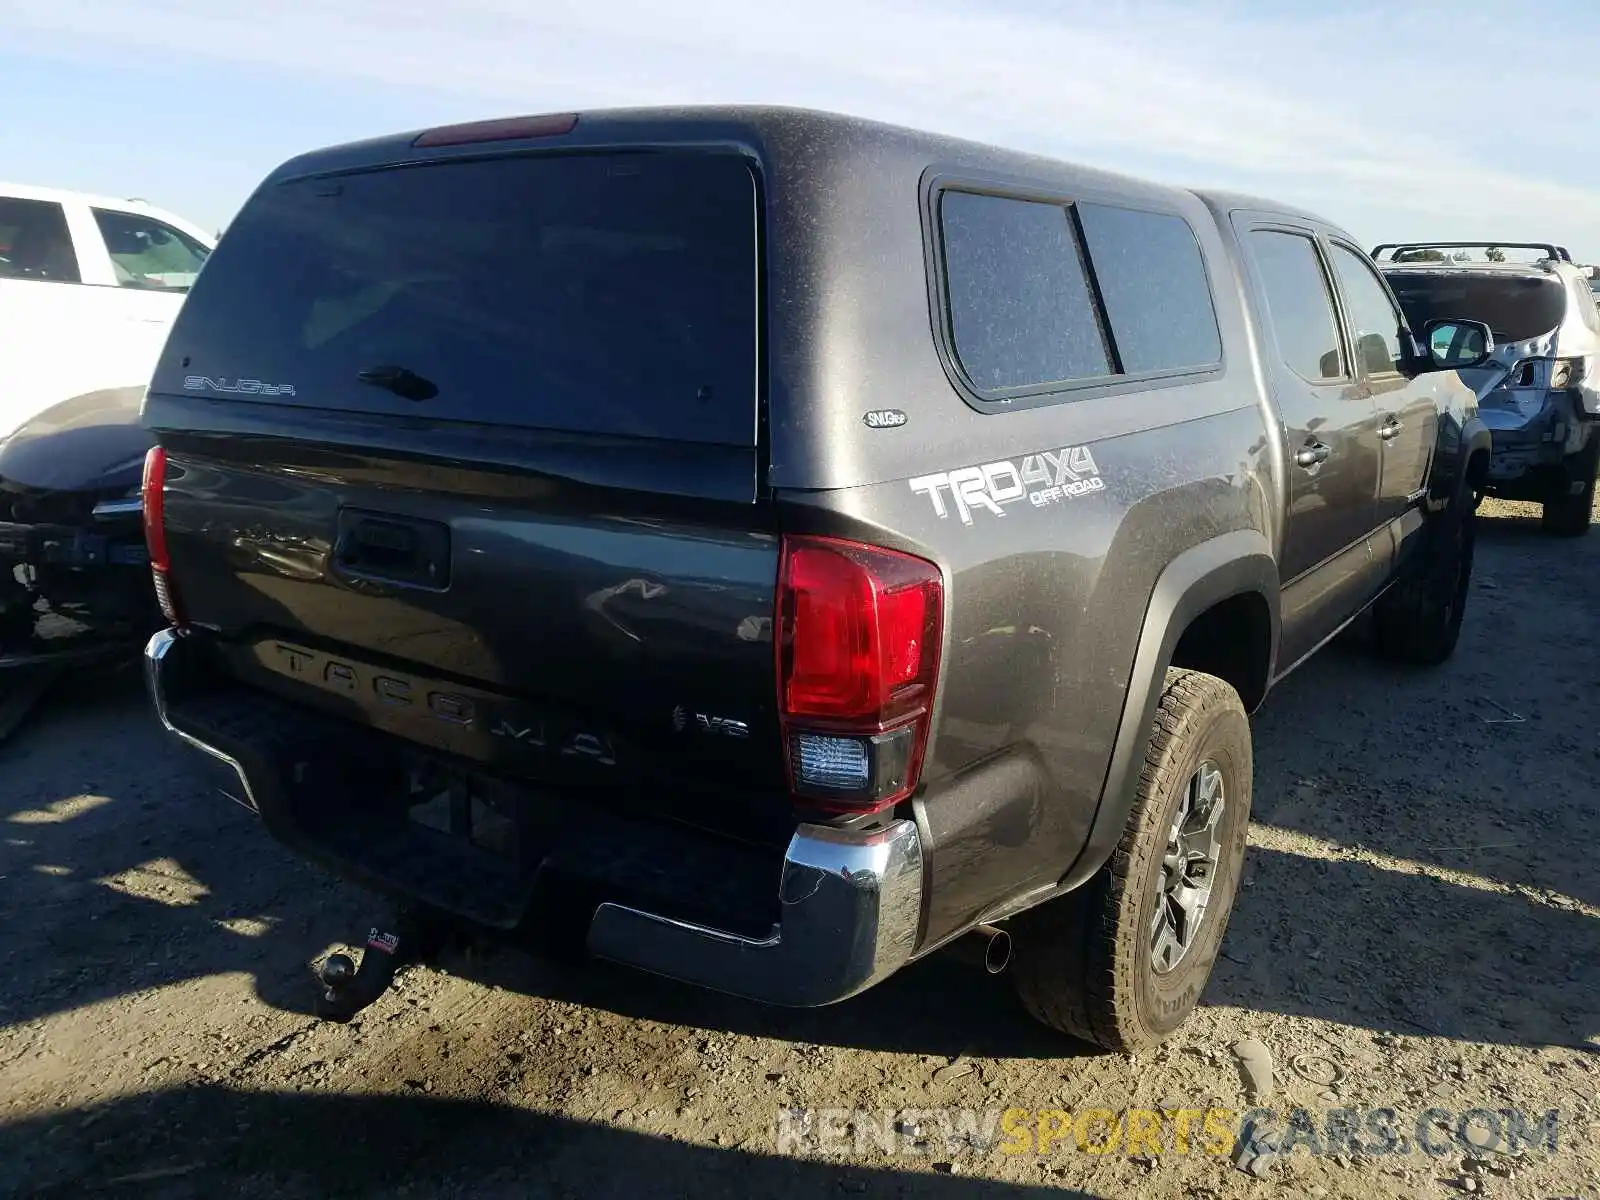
{"x":606,"y":293}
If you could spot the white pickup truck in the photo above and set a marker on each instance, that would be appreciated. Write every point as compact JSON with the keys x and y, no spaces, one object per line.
{"x":89,"y":287}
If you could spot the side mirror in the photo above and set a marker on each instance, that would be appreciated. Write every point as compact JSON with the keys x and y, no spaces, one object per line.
{"x":1454,"y":344}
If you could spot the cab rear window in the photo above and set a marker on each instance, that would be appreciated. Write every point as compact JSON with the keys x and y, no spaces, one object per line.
{"x":1042,"y":295}
{"x":599,"y":293}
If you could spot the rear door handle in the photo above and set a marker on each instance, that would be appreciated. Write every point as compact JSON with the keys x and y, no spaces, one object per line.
{"x":389,"y":548}
{"x":1391,"y":429}
{"x":1312,"y":454}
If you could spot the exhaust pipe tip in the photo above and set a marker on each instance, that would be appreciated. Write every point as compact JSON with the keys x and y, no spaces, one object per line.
{"x":986,"y":946}
{"x":997,"y":953}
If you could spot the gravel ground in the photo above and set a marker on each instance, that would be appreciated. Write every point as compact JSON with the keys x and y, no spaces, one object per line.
{"x":1419,"y":926}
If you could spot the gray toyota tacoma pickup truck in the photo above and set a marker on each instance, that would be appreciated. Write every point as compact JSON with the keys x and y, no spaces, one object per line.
{"x":763,"y":547}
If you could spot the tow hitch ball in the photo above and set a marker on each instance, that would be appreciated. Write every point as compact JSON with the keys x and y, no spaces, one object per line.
{"x":344,"y":988}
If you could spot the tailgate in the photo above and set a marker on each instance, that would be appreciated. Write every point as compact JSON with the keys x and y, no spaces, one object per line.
{"x":467,"y":451}
{"x":594,"y":639}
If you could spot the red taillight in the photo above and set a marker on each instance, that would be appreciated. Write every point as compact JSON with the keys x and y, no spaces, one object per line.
{"x":154,"y":499}
{"x":153,"y":496}
{"x":499,"y":130}
{"x":858,"y":659}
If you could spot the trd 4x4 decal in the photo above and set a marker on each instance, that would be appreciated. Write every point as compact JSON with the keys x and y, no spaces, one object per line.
{"x":1044,"y":479}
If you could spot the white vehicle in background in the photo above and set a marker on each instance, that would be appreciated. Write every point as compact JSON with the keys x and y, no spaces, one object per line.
{"x":89,"y":287}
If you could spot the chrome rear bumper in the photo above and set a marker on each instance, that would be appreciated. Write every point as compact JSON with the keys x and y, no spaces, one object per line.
{"x":162,"y":667}
{"x":850,"y":904}
{"x":850,"y":908}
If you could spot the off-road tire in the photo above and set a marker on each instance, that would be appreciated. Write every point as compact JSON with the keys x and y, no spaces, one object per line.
{"x":1083,"y":963}
{"x":1418,"y":620}
{"x":1570,"y":516}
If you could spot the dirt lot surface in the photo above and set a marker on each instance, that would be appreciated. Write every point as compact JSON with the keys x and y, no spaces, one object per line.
{"x":1420,"y":927}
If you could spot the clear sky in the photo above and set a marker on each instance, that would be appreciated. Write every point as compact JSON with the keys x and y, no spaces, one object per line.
{"x":1437,"y":119}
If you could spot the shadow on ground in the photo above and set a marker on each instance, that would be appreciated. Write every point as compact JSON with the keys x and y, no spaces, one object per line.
{"x":1410,"y":954}
{"x":149,"y":878}
{"x":150,"y":881}
{"x":1488,"y":765}
{"x":286,"y":1146}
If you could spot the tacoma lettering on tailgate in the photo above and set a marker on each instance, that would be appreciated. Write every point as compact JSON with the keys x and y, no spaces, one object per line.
{"x":506,"y":721}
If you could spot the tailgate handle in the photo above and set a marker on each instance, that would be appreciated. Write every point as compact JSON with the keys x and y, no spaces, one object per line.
{"x":392,"y":549}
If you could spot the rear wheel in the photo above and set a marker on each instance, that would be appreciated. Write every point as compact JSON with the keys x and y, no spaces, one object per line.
{"x":1418,"y":620}
{"x":1570,"y":515}
{"x":1122,"y":961}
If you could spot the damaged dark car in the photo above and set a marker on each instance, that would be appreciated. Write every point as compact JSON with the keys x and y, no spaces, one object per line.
{"x":1540,"y":392}
{"x":74,"y":572}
